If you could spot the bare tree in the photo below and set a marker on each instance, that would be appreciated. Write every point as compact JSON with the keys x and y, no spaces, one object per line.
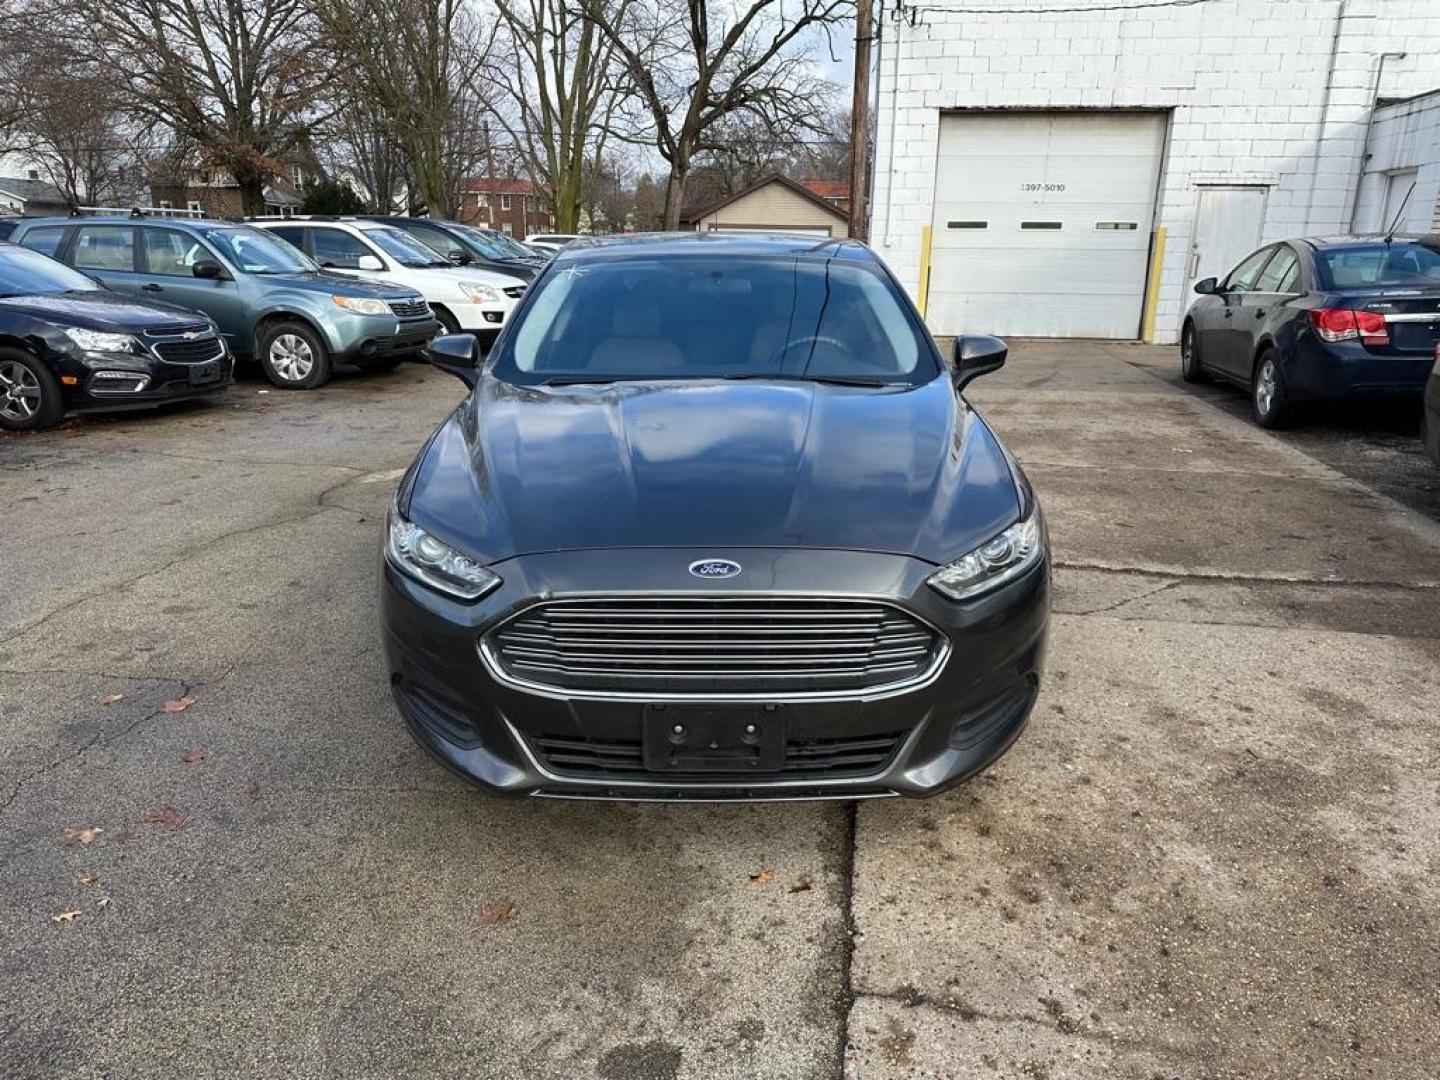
{"x":355,"y":146}
{"x":410,"y":64}
{"x":78,"y":135}
{"x":551,"y":74}
{"x":688,"y":75}
{"x":236,"y":79}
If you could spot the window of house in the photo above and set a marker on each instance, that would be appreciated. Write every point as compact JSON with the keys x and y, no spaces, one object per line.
{"x":297,"y":176}
{"x":33,"y":174}
{"x":166,"y":204}
{"x":505,"y":227}
{"x":193,"y":206}
{"x":105,"y":247}
{"x":338,"y":249}
{"x":484,"y":199}
{"x":504,"y":202}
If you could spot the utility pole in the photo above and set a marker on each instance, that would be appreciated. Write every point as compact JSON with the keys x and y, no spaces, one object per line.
{"x":860,"y":123}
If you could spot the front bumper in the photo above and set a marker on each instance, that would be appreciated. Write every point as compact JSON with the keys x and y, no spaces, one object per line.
{"x":386,"y":336}
{"x":947,"y":727}
{"x":99,"y":384}
{"x":489,"y":315}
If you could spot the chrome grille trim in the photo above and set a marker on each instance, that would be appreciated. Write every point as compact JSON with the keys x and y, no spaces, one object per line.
{"x":409,"y":309}
{"x":770,"y":648}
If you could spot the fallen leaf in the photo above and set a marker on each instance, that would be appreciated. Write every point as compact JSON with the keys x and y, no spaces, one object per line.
{"x":179,"y":704}
{"x":194,"y":754}
{"x":803,"y":885}
{"x":83,"y":835}
{"x":491,"y":914}
{"x":166,"y":816}
{"x":764,"y":877}
{"x":111,"y":699}
{"x":66,"y":916}
{"x":102,"y":903}
{"x":88,"y":879}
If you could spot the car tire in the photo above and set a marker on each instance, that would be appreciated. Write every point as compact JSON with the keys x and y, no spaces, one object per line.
{"x":1190,"y":367}
{"x":1269,"y":403}
{"x":1430,"y":437}
{"x":29,"y":393}
{"x":293,"y":357}
{"x":448,"y":322}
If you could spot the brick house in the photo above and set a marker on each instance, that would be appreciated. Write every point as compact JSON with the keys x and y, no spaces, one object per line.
{"x":513,"y":207}
{"x":214,"y":192}
{"x":1065,"y":161}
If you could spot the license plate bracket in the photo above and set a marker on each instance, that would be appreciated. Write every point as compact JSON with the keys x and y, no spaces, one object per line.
{"x":699,"y":738}
{"x":208,"y":372}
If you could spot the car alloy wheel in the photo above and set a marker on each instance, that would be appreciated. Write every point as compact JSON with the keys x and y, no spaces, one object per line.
{"x":291,"y":357}
{"x":1266,"y":387}
{"x":20,"y":393}
{"x":1190,"y":356}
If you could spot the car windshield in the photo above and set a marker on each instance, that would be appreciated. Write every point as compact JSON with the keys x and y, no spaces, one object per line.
{"x":404,"y":248}
{"x":255,"y":251}
{"x":707,"y":317}
{"x":485,"y":243}
{"x":28,"y":273}
{"x":514,"y":247}
{"x":1365,"y":266}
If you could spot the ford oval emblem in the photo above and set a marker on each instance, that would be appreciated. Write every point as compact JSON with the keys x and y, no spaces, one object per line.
{"x":714,"y":568}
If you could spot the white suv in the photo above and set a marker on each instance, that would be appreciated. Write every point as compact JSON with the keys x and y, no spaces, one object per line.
{"x":463,"y":298}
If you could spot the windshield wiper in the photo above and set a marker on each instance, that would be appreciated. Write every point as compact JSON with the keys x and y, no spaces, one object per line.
{"x":580,"y":380}
{"x":828,"y":380}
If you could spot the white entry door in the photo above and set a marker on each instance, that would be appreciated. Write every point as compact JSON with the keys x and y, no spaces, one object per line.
{"x":1042,"y":222}
{"x":1227,"y":228}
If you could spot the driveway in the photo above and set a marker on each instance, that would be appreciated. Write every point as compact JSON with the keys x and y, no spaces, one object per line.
{"x":1214,"y":853}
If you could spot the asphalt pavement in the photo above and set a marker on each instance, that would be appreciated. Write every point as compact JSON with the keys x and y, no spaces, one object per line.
{"x":1213,"y":853}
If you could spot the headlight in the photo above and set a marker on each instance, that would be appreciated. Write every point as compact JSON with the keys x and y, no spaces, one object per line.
{"x":417,"y":553}
{"x":100,"y":341}
{"x":362,"y":305}
{"x":479,"y":294}
{"x":1002,"y":559}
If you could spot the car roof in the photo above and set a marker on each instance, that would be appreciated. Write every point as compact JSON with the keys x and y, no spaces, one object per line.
{"x":1359,"y":239}
{"x":712,"y":243}
{"x":131,"y":219}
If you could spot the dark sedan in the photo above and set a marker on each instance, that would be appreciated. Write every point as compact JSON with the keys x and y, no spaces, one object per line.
{"x":466,"y":245}
{"x":1319,"y":320}
{"x":68,"y":345}
{"x":715,"y":522}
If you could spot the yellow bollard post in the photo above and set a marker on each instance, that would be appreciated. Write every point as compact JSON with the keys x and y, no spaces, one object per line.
{"x":1152,"y":287}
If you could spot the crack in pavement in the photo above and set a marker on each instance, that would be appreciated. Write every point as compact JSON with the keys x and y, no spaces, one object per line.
{"x":1118,"y":604}
{"x":186,"y":689}
{"x":845,"y":1050}
{"x":320,"y":507}
{"x":1275,"y":578}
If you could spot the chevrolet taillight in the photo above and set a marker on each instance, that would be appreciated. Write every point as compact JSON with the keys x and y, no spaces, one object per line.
{"x":1346,"y":324}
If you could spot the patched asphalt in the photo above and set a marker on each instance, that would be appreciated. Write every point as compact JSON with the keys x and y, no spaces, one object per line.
{"x":1212,"y":854}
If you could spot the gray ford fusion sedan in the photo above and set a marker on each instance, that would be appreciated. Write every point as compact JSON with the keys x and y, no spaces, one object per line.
{"x":715,"y":522}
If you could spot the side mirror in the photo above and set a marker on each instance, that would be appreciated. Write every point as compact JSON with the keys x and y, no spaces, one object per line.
{"x":369,"y":262}
{"x":459,"y":354}
{"x":976,"y":355}
{"x":461,"y":258}
{"x":1208,"y":285}
{"x":209,"y":268}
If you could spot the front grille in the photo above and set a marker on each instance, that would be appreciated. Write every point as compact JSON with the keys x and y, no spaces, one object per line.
{"x":702,"y":647}
{"x":620,"y":759}
{"x":195,"y":351}
{"x":178,"y":329}
{"x":514,"y":291}
{"x":409,"y":309}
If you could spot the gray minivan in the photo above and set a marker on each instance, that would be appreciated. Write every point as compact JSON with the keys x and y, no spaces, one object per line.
{"x":273,"y":303}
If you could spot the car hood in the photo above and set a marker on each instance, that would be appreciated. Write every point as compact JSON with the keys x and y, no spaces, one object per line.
{"x":101,"y":310}
{"x":323,"y":281}
{"x":717,"y":466}
{"x":450,"y":276}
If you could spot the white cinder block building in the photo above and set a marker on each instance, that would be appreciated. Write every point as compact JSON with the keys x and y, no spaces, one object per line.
{"x":1045,"y":143}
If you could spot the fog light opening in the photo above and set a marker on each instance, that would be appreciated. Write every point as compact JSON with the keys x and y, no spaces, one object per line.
{"x":118,"y":382}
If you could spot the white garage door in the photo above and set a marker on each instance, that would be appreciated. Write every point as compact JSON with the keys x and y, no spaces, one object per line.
{"x":1042,"y":223}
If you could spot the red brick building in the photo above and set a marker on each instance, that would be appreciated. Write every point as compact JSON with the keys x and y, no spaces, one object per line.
{"x":834,"y":192}
{"x":511,"y":206}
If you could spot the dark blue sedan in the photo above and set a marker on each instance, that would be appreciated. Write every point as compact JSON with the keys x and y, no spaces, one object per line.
{"x":1315,"y":320}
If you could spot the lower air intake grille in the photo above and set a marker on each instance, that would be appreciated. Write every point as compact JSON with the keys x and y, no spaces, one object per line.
{"x":702,"y":646}
{"x":196,"y":351}
{"x":618,"y":759}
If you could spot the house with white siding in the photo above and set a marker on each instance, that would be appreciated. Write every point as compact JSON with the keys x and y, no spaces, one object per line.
{"x":1072,"y":167}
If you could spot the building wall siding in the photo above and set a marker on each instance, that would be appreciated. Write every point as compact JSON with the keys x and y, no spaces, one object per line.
{"x":1406,"y":135}
{"x":777,"y":206}
{"x":1244,"y":82}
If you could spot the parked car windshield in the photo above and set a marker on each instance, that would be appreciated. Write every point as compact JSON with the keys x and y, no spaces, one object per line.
{"x":705,"y":317}
{"x":509,"y":244}
{"x":404,"y":248}
{"x":255,"y":251}
{"x":28,"y":273}
{"x":485,"y":243}
{"x":1366,"y":266}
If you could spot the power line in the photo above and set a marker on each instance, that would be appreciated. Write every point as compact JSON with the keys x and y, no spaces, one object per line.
{"x":1140,"y":6}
